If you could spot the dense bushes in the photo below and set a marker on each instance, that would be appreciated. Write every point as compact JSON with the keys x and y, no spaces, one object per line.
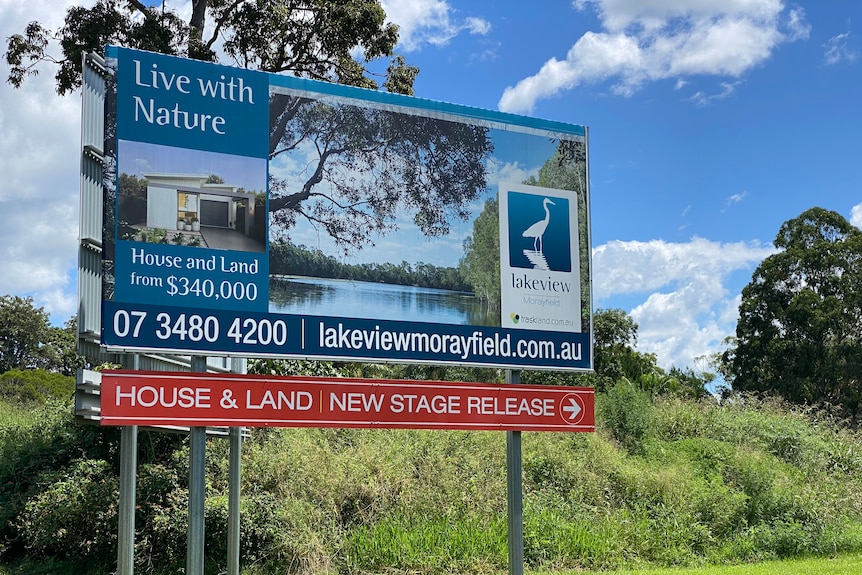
{"x":31,"y":386}
{"x":663,"y":481}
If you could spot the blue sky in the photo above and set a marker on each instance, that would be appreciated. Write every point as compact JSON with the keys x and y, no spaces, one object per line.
{"x":138,"y":159}
{"x":711,"y":123}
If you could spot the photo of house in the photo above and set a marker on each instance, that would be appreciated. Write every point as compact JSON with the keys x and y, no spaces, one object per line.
{"x":158,"y":203}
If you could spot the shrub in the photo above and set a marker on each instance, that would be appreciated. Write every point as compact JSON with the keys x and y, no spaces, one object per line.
{"x":75,"y":516}
{"x":696,"y":483}
{"x":625,"y":411}
{"x":36,"y":448}
{"x":27,"y":386}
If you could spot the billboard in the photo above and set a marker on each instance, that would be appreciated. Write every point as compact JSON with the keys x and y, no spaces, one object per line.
{"x":262,"y":215}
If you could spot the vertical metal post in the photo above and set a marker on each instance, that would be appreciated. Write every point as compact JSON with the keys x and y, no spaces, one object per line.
{"x":197,"y":489}
{"x":233,"y":500}
{"x":514,"y":493}
{"x":128,"y":472}
{"x":234,"y":486}
{"x":128,"y":486}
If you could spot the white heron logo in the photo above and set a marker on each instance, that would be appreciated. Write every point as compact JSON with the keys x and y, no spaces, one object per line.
{"x":537,"y":232}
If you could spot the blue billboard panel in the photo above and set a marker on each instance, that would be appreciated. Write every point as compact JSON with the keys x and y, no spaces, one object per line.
{"x":285,"y":335}
{"x":262,"y":215}
{"x":182,"y":276}
{"x":190,"y":104}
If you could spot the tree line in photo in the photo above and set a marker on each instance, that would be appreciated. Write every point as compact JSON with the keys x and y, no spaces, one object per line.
{"x":288,"y":259}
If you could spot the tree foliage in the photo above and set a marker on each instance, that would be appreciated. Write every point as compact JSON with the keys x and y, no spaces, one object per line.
{"x":800,"y":320}
{"x":615,"y":334}
{"x":28,"y":341}
{"x":309,"y":38}
{"x":24,"y":329}
{"x":131,"y":186}
{"x":480,"y":264}
{"x":288,"y":259}
{"x":618,"y":363}
{"x":60,"y":352}
{"x":31,"y":386}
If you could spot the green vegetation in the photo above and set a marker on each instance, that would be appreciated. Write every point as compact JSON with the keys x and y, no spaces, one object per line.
{"x":842,"y":565}
{"x":34,"y":386}
{"x":28,"y":341}
{"x":480,"y":265}
{"x":308,"y":38}
{"x":798,"y":333}
{"x":673,"y":477}
{"x":665,"y":481}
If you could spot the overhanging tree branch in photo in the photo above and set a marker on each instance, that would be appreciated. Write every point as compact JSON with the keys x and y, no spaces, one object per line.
{"x":362,"y":166}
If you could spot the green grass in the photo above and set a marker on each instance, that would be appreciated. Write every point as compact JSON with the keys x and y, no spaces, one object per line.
{"x":841,"y":565}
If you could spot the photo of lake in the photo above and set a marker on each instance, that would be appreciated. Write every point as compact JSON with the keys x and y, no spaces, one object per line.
{"x":370,"y":300}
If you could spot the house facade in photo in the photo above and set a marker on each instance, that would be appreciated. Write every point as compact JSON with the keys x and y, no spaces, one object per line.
{"x":187,"y":202}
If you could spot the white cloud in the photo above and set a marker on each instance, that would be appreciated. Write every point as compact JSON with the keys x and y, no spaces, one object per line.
{"x":837,"y":50}
{"x":618,"y":15}
{"x":736,"y":198}
{"x":508,"y":172}
{"x":649,"y":40}
{"x":477,"y":25}
{"x":39,"y":160}
{"x":856,"y":216}
{"x":689,"y":308}
{"x":797,"y":28}
{"x":701,"y":98}
{"x":429,"y":22}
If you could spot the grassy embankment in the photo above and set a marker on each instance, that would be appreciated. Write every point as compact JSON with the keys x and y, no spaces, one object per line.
{"x":663,"y":483}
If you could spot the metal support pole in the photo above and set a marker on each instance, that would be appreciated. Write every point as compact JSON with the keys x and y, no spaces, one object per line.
{"x":233,"y":500}
{"x":128,"y":486}
{"x":514,"y":493}
{"x":234,"y":486}
{"x":128,"y":472}
{"x":197,"y":489}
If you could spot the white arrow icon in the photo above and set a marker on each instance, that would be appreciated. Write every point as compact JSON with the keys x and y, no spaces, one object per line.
{"x":573,"y":409}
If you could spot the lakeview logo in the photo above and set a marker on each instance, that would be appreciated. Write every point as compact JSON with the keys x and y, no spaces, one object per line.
{"x":539,"y":232}
{"x":539,"y":282}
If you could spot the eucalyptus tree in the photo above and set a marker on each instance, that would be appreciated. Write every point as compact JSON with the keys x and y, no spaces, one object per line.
{"x":480,"y":264}
{"x":371,"y":164}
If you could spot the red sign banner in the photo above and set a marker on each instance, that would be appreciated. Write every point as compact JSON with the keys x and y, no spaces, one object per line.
{"x":203,"y":399}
